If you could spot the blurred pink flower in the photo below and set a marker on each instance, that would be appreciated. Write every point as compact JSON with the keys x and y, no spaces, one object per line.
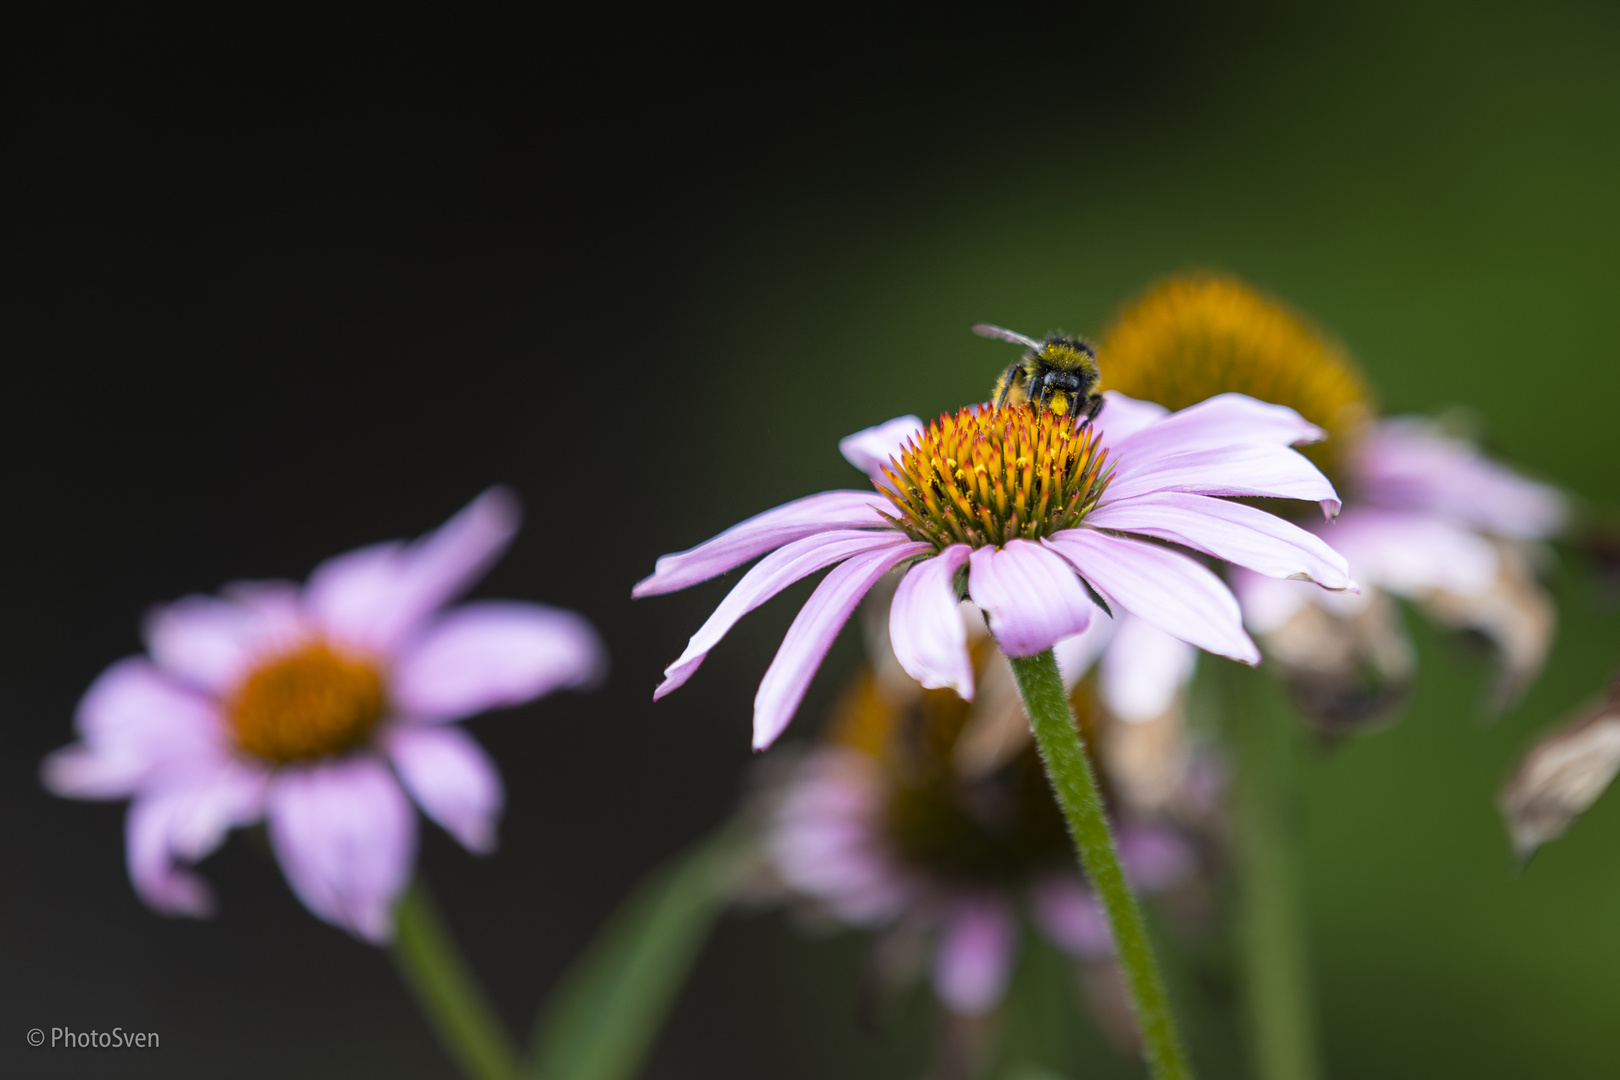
{"x":1025,"y":539}
{"x":828,"y":842}
{"x":324,"y":708}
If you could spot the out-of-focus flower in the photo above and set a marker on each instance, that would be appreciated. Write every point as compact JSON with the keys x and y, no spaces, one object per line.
{"x":1022,"y":512}
{"x":1426,"y":516}
{"x":890,"y":826}
{"x":325,"y":709}
{"x":1562,"y":775}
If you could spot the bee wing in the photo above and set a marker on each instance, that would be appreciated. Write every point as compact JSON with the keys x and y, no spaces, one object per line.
{"x":1001,"y":333}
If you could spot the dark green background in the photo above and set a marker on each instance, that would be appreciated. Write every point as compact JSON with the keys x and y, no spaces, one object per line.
{"x":278,"y":284}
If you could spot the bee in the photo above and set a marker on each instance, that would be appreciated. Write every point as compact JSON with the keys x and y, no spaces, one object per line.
{"x":1059,"y":373}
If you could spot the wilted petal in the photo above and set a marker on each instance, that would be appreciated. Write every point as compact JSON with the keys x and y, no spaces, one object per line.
{"x":182,"y":822}
{"x":1071,"y":916}
{"x":135,"y":722}
{"x":492,"y":654}
{"x":1235,"y":533}
{"x":345,"y":836}
{"x":373,"y":598}
{"x":1255,"y":470}
{"x":925,"y":624}
{"x":1032,"y":597}
{"x":1143,"y":670}
{"x":812,"y":634}
{"x":870,"y":449}
{"x":761,"y":533}
{"x":1561,"y":776}
{"x":1164,"y":588}
{"x":975,"y":954}
{"x":1515,"y":614}
{"x":770,"y":576}
{"x":452,"y":779}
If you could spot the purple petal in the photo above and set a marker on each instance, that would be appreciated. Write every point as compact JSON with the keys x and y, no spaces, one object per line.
{"x":1167,"y":589}
{"x":182,"y":822}
{"x":1406,"y":465}
{"x":452,"y":779}
{"x":1076,"y":654}
{"x":373,"y":598}
{"x":761,"y":533}
{"x":1413,"y":554}
{"x":1225,"y":420}
{"x":773,"y":573}
{"x":1230,"y":531}
{"x":871,"y":449}
{"x":1071,"y":917}
{"x":925,"y":624}
{"x":1124,"y":416}
{"x":493,"y":654}
{"x":975,"y":954}
{"x":1254,"y":471}
{"x":1032,"y":596}
{"x":1143,"y":670}
{"x":345,"y":836}
{"x":1154,"y":858}
{"x":812,"y":634}
{"x":136,"y":723}
{"x":211,"y":642}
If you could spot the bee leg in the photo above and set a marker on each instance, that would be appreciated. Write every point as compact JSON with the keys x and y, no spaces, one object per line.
{"x":1097,"y":404}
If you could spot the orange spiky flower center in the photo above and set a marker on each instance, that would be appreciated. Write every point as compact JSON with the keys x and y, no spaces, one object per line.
{"x":985,"y":476}
{"x":309,"y":703}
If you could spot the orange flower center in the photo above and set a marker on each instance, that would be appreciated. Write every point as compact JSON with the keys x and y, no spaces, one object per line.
{"x":310,"y":703}
{"x":989,"y":476}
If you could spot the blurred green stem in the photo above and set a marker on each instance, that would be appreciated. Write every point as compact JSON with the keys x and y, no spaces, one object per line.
{"x":447,"y":993}
{"x":1069,"y":770}
{"x":1271,"y":924}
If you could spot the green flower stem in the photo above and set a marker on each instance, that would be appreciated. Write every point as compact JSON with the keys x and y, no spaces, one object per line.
{"x":447,"y":993}
{"x":1069,"y":771}
{"x":1271,"y":924}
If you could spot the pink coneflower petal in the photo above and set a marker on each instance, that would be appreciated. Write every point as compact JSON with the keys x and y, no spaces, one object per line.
{"x":1076,"y":654}
{"x":1225,"y":420}
{"x":452,"y":779}
{"x":134,"y":723}
{"x":210,"y":642}
{"x":1412,"y":554}
{"x":812,"y":634}
{"x":761,"y":533}
{"x":373,"y":598}
{"x":1032,"y":597}
{"x":925,"y":624}
{"x":869,"y":450}
{"x":1143,"y":670}
{"x":1230,"y":531}
{"x":1253,"y":471}
{"x":770,"y":576}
{"x":1071,"y":916}
{"x":1167,"y":589}
{"x":975,"y":954}
{"x":345,"y":835}
{"x":1406,"y":465}
{"x":183,"y":822}
{"x":494,"y":654}
{"x":1123,"y":416}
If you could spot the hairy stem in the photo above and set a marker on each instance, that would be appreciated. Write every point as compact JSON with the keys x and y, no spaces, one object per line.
{"x":1271,"y":928}
{"x":1069,"y":771}
{"x":447,"y":993}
